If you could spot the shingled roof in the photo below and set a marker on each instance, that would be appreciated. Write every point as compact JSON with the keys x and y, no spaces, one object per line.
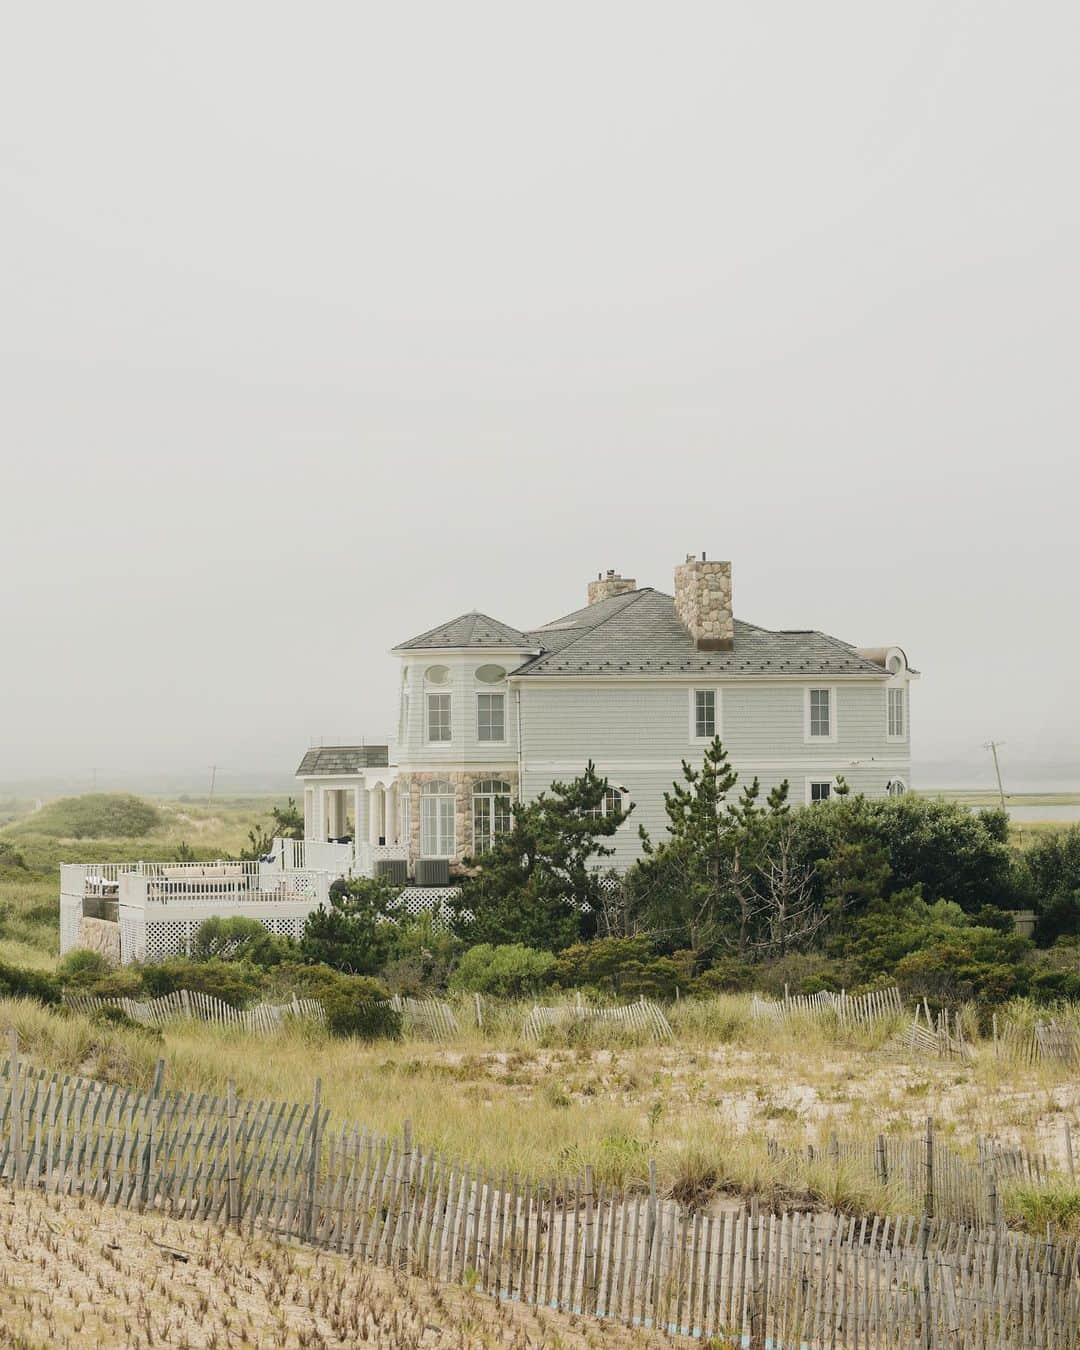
{"x":639,"y":633}
{"x":342,"y":759}
{"x":469,"y":630}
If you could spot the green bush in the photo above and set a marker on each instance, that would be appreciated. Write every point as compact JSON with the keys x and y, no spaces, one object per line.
{"x":97,"y":815}
{"x":506,"y":970}
{"x":358,"y":1006}
{"x":82,"y":968}
{"x":627,"y":967}
{"x":17,"y":983}
{"x":10,"y":856}
{"x":239,"y":939}
{"x":234,"y":982}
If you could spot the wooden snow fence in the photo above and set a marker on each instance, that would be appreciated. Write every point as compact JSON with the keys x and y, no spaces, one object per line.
{"x":428,"y":1015}
{"x":191,"y":1004}
{"x":942,"y":1037}
{"x":791,"y":1279}
{"x":641,"y":1017}
{"x":849,"y":1010}
{"x":1047,"y":1040}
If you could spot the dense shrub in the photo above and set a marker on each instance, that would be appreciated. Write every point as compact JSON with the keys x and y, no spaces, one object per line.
{"x":10,"y":857}
{"x":97,"y":815}
{"x":628,"y":967}
{"x":1050,"y":877}
{"x":234,"y":982}
{"x":357,"y":1006}
{"x":82,"y":968}
{"x":17,"y":983}
{"x":240,"y":939}
{"x":506,"y":970}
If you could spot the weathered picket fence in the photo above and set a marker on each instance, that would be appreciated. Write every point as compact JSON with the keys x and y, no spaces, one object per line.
{"x":429,"y":1016}
{"x":795,"y":1279}
{"x":1046,"y":1040}
{"x":942,"y":1036}
{"x":849,"y":1010}
{"x":643,"y":1017}
{"x":191,"y":1003}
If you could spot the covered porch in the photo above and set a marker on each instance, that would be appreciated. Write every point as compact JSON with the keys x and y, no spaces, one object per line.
{"x":353,"y":817}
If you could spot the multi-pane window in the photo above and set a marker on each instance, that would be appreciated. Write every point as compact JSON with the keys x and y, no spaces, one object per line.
{"x":705,"y":713}
{"x":437,"y":820}
{"x":896,"y":712}
{"x":491,"y":812}
{"x":820,"y":712}
{"x":438,"y":717}
{"x":491,"y":717}
{"x":611,"y":803}
{"x":897,"y":788}
{"x":820,"y":792}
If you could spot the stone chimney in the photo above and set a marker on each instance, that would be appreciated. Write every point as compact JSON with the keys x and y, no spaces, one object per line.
{"x":703,"y":603}
{"x":609,"y":583}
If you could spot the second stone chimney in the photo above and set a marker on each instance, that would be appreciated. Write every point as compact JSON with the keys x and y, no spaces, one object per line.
{"x":703,"y":603}
{"x":609,"y":583}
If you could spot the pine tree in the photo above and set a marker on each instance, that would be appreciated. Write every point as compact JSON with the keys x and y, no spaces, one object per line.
{"x":539,"y":883}
{"x":697,"y":885}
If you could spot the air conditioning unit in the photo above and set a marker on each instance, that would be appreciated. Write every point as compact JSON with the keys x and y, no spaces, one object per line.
{"x":394,"y":870}
{"x":433,"y":872}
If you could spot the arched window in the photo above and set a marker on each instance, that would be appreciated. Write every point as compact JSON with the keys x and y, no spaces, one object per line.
{"x":612,"y":802}
{"x":491,"y":812}
{"x":437,"y":819}
{"x":896,"y":788}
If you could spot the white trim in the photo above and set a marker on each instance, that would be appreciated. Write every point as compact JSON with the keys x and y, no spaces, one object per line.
{"x":810,"y":783}
{"x":841,"y":764}
{"x":729,"y":677}
{"x":830,"y":739}
{"x":429,"y":694}
{"x":901,"y":689}
{"x":488,"y":691}
{"x":718,"y":706}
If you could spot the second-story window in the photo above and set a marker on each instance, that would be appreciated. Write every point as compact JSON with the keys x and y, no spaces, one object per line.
{"x":438,"y":717}
{"x":820,"y":718}
{"x":705,"y":713}
{"x":491,"y":717}
{"x":896,"y":713}
{"x":611,"y":804}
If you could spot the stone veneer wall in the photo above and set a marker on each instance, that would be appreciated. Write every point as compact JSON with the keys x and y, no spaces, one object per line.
{"x":603,"y":588}
{"x":101,"y":935}
{"x":463,"y":781}
{"x":703,"y":603}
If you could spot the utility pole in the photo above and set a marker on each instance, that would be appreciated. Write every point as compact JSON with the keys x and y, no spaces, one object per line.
{"x":992,"y":746}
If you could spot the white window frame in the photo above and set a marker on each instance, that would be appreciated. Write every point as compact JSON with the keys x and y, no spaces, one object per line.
{"x":818,"y":739}
{"x":718,"y":701}
{"x":893,"y":783}
{"x":811,"y":783}
{"x":436,"y":847}
{"x":492,"y":797}
{"x":491,"y":693}
{"x":428,"y":696}
{"x":890,"y":735}
{"x":605,"y":806}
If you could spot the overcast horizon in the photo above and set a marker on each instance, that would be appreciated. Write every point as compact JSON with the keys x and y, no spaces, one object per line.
{"x":324,"y":324}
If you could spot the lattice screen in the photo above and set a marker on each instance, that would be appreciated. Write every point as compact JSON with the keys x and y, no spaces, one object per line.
{"x":70,"y":920}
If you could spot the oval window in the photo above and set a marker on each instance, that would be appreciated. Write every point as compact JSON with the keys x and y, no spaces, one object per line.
{"x":490,"y":674}
{"x":437,"y":674}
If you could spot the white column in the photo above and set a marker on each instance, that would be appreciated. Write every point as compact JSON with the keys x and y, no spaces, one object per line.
{"x":391,"y":814}
{"x":373,"y":814}
{"x":358,"y":815}
{"x":309,"y":812}
{"x":320,"y":815}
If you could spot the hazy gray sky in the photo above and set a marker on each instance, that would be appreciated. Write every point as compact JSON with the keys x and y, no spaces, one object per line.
{"x":322,"y":323}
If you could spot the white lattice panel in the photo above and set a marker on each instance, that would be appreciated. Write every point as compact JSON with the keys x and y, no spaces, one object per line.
{"x":167,"y":937}
{"x":132,"y":940}
{"x":70,"y":919}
